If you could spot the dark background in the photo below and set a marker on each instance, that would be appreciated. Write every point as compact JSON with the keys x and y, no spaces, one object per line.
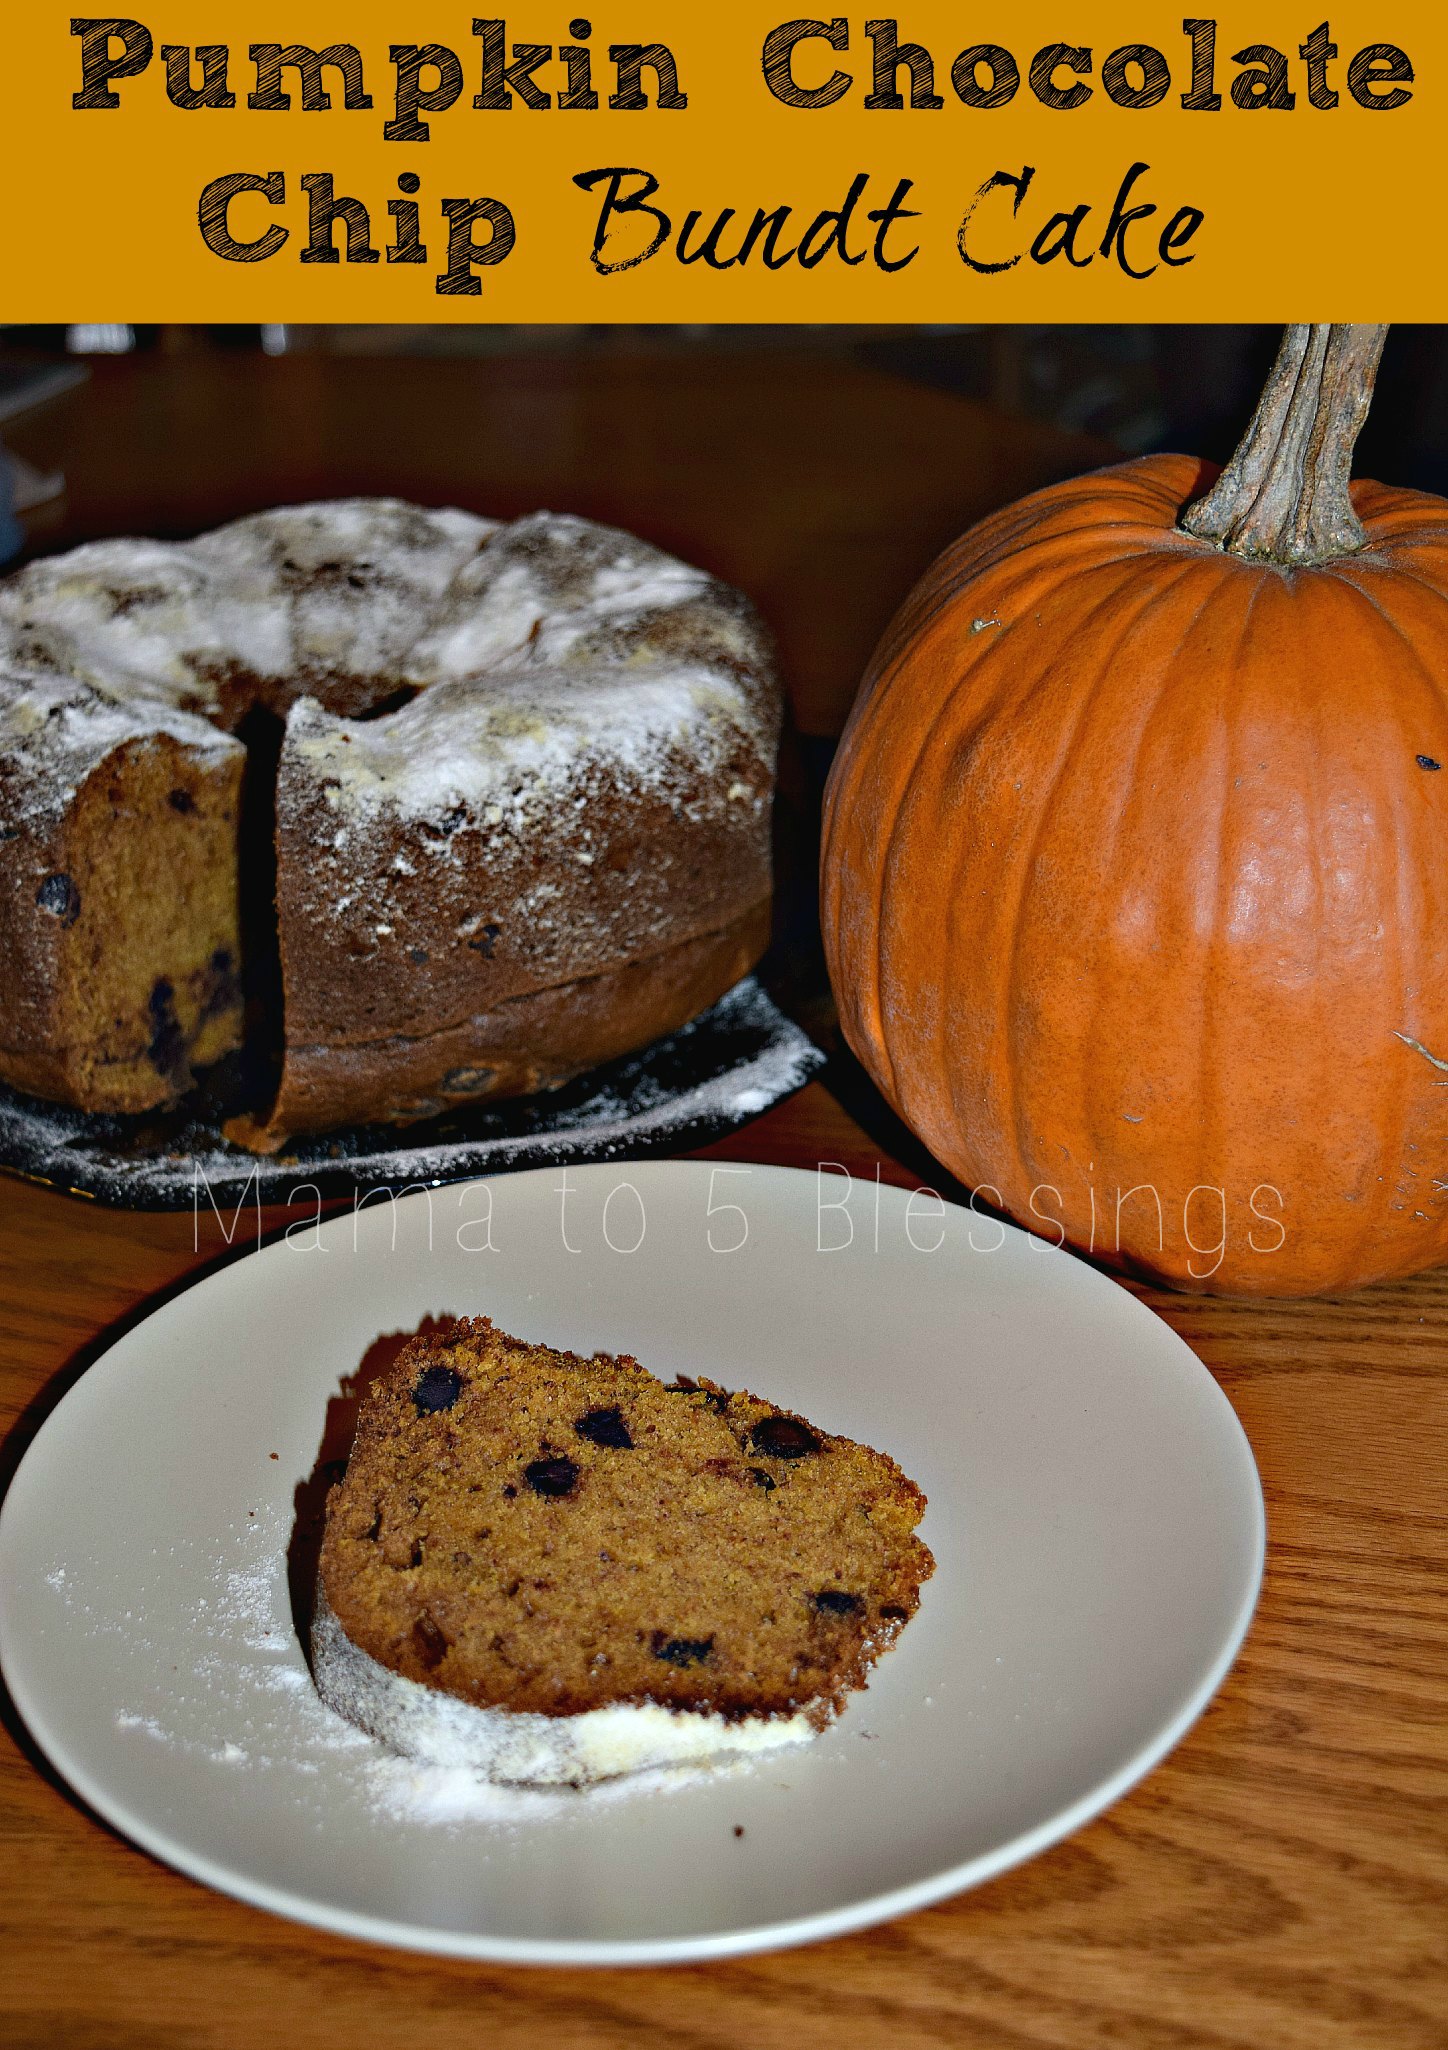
{"x":1142,"y":388}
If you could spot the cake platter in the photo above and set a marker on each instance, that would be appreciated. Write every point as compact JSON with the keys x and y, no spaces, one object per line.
{"x":717,"y":1072}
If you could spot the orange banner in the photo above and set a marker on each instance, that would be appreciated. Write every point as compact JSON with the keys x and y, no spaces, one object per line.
{"x":661,"y":162}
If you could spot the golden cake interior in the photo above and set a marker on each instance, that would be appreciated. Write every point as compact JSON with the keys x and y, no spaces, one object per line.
{"x":534,"y":1530}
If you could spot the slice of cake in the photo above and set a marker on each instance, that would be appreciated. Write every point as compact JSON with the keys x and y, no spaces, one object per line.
{"x":553,"y":1569}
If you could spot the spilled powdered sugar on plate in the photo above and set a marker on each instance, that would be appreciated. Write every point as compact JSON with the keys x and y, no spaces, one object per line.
{"x":249,"y":1706}
{"x":727,"y":1066}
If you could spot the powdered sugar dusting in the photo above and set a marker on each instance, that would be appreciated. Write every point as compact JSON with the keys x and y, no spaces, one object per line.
{"x":353,"y":580}
{"x":533,"y":644}
{"x":534,"y":734}
{"x":453,"y":1797}
{"x":545,"y":587}
{"x":248,"y":1705}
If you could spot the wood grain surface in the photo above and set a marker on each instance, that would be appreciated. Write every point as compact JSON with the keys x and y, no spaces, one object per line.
{"x":1281,"y":1881}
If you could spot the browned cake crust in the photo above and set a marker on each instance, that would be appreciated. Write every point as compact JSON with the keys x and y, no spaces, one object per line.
{"x":494,"y":802}
{"x":530,"y":1530}
{"x":530,"y":1042}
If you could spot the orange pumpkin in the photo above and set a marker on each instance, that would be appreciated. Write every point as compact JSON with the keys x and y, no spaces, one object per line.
{"x":1135,"y":865}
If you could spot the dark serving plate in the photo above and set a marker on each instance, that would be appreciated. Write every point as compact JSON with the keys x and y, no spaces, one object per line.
{"x":718,"y":1072}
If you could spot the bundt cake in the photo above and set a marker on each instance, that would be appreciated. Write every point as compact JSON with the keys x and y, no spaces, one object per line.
{"x":449,"y":808}
{"x":550,"y":1568}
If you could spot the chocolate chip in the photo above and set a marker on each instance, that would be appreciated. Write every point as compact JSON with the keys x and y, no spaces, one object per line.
{"x":181,"y":800}
{"x":511,"y":1492}
{"x":833,"y":1601}
{"x":1427,"y":762}
{"x":436,"y":1388}
{"x":485,"y":941}
{"x":418,"y":956}
{"x":429,"y":1641}
{"x":894,"y":1612}
{"x":167,"y":1050}
{"x":717,"y":1399}
{"x":59,"y":896}
{"x":222,"y":987}
{"x":680,"y":1651}
{"x":760,"y":1478}
{"x":551,"y":1476}
{"x":605,"y":1427}
{"x":784,"y":1437}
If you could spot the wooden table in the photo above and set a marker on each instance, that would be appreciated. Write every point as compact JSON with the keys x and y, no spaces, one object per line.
{"x":1282,"y":1880}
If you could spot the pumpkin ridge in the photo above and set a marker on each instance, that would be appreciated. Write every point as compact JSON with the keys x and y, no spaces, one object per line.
{"x":1157,"y":540}
{"x":1342,"y":571}
{"x":1212,"y":1151}
{"x":875,"y":709}
{"x":1405,"y":640}
{"x":1399,"y":523}
{"x":1158,"y":480}
{"x":901,"y":813}
{"x":1405,"y":870}
{"x":1024,"y":528}
{"x":943,"y":592}
{"x":997,"y":536}
{"x":1216,"y":592}
{"x":909,"y":629}
{"x":1384,"y":552}
{"x":1056,"y":777}
{"x":1404,"y":1091}
{"x":1104,"y":1143}
{"x":922,"y":630}
{"x":1407,"y":915}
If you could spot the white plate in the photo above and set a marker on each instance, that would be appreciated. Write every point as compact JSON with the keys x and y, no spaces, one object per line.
{"x":1094,"y":1511}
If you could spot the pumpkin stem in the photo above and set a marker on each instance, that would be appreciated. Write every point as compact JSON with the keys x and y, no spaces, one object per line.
{"x":1284,"y":496}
